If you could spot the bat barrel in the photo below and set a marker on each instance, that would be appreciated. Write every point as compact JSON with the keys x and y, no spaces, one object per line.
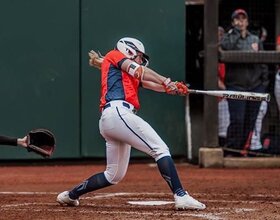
{"x":238,"y":95}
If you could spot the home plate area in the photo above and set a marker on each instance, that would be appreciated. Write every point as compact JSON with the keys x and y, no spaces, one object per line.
{"x":128,"y":205}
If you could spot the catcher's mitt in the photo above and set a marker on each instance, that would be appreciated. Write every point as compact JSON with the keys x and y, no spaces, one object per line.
{"x":41,"y":141}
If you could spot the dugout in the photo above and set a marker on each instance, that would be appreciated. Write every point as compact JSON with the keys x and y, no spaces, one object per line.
{"x":202,"y":21}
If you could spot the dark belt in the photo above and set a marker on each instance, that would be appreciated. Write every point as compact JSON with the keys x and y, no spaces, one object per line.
{"x":123,"y":103}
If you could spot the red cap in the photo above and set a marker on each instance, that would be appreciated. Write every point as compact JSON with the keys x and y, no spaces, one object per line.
{"x":238,"y":12}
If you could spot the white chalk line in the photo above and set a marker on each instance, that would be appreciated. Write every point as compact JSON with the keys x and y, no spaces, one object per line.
{"x":108,"y":195}
{"x":27,"y":204}
{"x":102,"y":195}
{"x":218,"y":212}
{"x":28,"y":193}
{"x":126,"y":194}
{"x":150,"y":203}
{"x":93,"y":205}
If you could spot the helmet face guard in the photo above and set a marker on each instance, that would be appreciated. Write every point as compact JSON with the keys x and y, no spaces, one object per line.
{"x":130,"y":47}
{"x":145,"y":60}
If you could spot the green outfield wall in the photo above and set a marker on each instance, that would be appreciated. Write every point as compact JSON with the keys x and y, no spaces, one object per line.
{"x":46,"y":80}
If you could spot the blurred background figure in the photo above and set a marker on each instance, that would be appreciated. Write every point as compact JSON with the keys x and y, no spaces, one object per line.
{"x":259,"y":30}
{"x":256,"y":144}
{"x":271,"y":140}
{"x":277,"y":77}
{"x":243,"y":77}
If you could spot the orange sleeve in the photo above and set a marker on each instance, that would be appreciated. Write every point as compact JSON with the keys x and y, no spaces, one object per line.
{"x":116,"y":58}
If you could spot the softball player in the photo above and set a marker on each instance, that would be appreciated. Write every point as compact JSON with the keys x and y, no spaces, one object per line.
{"x":123,"y":70}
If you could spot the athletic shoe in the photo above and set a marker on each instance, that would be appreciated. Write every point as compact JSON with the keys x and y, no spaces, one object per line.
{"x":64,"y":199}
{"x":187,"y":202}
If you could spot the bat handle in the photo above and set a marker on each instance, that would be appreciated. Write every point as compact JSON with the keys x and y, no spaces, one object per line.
{"x":191,"y":90}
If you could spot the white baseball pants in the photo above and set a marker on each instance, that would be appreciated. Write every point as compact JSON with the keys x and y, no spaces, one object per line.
{"x":122,"y":129}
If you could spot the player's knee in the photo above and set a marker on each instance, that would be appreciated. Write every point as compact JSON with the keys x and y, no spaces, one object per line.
{"x":160,"y":153}
{"x":114,"y":175}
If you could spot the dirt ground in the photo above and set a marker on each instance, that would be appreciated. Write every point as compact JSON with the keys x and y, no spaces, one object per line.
{"x":29,"y":192}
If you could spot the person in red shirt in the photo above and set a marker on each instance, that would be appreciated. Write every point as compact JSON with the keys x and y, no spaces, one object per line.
{"x":278,"y":43}
{"x":123,"y":70}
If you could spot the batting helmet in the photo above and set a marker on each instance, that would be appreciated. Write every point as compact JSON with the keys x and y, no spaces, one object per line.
{"x":130,"y":47}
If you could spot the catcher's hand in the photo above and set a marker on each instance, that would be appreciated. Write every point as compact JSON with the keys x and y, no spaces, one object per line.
{"x":95,"y":59}
{"x":41,"y":141}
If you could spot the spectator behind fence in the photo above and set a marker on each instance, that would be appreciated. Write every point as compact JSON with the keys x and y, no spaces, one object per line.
{"x":223,"y":112}
{"x":243,"y":77}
